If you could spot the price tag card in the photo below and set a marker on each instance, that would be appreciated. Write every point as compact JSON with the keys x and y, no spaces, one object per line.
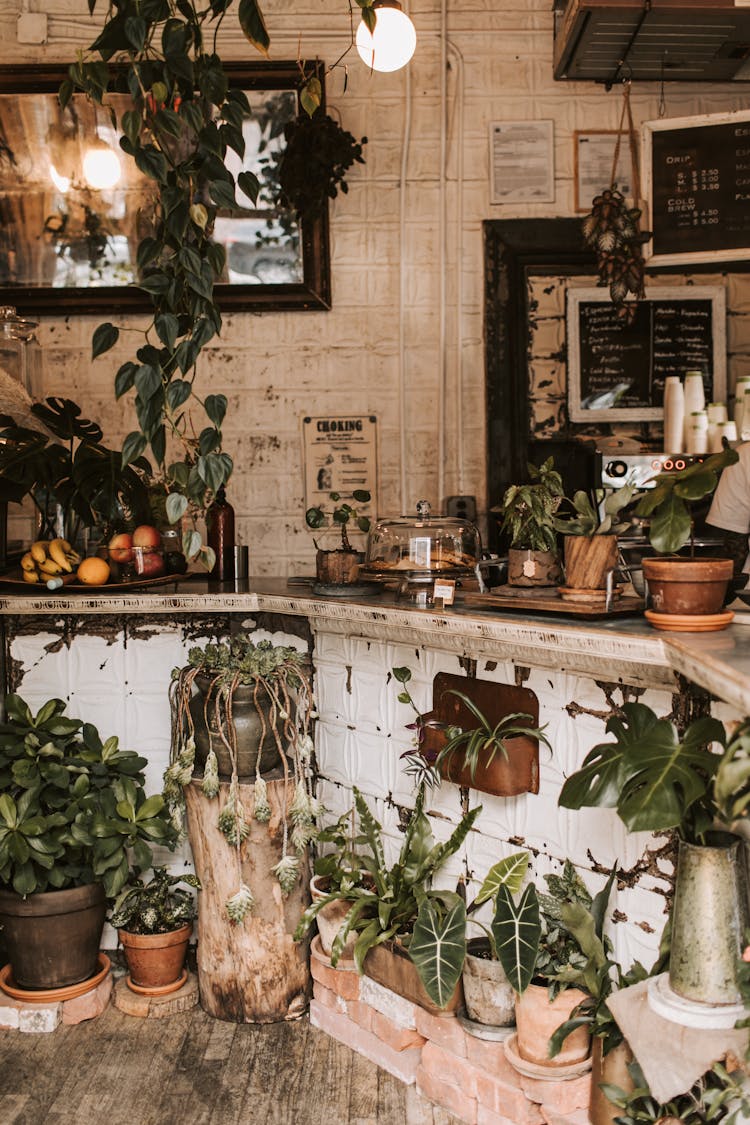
{"x":445,"y":589}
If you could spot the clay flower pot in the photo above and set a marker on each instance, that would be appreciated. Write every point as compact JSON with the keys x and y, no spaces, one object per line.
{"x":52,"y":937}
{"x":687,"y":586}
{"x":248,"y":725}
{"x":155,"y":961}
{"x":538,"y":1017}
{"x":330,"y":918}
{"x":390,"y":965}
{"x":612,"y":1069}
{"x":488,"y":994}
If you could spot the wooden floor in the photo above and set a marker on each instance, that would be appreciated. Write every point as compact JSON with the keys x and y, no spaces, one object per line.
{"x":192,"y":1069}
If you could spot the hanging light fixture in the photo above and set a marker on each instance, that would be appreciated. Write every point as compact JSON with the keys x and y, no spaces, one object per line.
{"x":392,"y":43}
{"x":101,"y":166}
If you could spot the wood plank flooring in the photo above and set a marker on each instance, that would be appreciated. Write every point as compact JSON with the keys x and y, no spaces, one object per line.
{"x":117,"y":1070}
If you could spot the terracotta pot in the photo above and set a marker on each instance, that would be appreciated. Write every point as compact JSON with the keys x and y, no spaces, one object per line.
{"x":533,"y":568}
{"x":330,"y":918}
{"x":390,"y":965}
{"x":247,"y":725}
{"x":52,"y":938}
{"x":588,"y":558}
{"x":502,"y":777}
{"x":156,"y":960}
{"x":686,"y":585}
{"x":537,"y":1018}
{"x":488,"y":994}
{"x":613,"y":1069}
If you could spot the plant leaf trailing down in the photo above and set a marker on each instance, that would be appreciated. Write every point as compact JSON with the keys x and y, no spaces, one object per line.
{"x":183,"y":121}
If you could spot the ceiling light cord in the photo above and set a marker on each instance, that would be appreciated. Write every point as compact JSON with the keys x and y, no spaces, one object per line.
{"x":402,"y":403}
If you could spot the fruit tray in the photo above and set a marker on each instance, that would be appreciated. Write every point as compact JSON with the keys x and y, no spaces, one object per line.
{"x":14,"y":580}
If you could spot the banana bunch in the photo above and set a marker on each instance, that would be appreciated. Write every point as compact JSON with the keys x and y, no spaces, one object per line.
{"x":48,"y":559}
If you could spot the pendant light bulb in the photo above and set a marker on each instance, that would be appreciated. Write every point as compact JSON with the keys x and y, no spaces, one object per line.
{"x":101,"y":167}
{"x":393,"y":42}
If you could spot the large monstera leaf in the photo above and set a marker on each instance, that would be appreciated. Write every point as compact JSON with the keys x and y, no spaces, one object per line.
{"x":605,"y":769}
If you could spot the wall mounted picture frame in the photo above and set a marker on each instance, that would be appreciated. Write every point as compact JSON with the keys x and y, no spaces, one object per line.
{"x":593,"y":154}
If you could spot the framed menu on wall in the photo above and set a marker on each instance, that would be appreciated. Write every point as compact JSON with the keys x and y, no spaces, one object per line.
{"x":697,"y":183}
{"x":616,"y":369}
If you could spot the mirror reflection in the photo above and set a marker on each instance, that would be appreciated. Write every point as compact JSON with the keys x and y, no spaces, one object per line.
{"x":73,"y":205}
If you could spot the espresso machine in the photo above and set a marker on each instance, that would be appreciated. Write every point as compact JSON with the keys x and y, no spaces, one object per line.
{"x":615,"y":470}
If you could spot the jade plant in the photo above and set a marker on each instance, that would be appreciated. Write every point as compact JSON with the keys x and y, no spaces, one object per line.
{"x":283,"y":698}
{"x":73,"y":809}
{"x":182,"y":121}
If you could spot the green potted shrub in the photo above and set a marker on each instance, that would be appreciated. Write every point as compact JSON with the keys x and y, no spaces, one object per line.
{"x":525,"y":516}
{"x":394,"y":918}
{"x":73,"y":811}
{"x":336,"y":871}
{"x":683,"y":585}
{"x":590,"y":543}
{"x":154,"y":921}
{"x":658,"y":780}
{"x":339,"y":565}
{"x":717,"y":1096}
{"x":553,"y":951}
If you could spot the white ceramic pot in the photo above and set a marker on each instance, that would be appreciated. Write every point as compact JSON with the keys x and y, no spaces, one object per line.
{"x":488,"y":994}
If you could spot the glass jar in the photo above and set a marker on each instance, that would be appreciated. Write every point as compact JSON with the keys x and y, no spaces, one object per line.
{"x":423,"y":548}
{"x":20,"y":353}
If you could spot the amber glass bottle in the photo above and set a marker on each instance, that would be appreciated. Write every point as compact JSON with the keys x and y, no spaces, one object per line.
{"x":220,"y":536}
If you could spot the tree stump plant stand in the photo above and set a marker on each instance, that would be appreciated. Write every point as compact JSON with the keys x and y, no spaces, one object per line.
{"x":252,"y":971}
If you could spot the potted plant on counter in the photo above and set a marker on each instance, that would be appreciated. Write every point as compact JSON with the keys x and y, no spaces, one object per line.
{"x":683,"y":585}
{"x":72,"y":811}
{"x":340,"y":565}
{"x":154,"y":921}
{"x":590,"y":544}
{"x":525,"y":516}
{"x":660,"y":780}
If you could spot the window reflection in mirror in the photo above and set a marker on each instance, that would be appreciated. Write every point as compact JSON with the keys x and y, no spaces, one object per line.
{"x":74,"y":207}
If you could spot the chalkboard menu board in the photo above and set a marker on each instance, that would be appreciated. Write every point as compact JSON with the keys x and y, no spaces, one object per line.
{"x":697,"y":182}
{"x":616,"y":369}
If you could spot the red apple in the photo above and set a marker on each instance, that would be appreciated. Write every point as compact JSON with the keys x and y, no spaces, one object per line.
{"x":148,"y":563}
{"x":146,"y":536}
{"x":121,"y":547}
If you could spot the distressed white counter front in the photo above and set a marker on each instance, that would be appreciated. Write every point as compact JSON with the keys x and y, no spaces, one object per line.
{"x":111,"y":656}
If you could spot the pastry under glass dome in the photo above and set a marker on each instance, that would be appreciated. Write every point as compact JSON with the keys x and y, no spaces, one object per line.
{"x":422,"y":548}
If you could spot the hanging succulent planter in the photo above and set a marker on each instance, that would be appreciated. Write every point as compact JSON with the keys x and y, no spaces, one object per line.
{"x":613,"y":228}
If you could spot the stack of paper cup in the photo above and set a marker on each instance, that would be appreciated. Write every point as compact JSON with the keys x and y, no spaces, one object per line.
{"x":739,"y":399}
{"x":729,"y":431}
{"x":697,"y":432}
{"x":674,"y":415}
{"x":717,"y":416}
{"x":743,"y":430}
{"x":695,"y":398}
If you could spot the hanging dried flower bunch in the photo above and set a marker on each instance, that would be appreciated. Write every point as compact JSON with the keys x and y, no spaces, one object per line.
{"x":613,"y":229}
{"x":284,"y":703}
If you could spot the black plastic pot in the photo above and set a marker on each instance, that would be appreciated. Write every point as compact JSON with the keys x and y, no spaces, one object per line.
{"x":53,"y":938}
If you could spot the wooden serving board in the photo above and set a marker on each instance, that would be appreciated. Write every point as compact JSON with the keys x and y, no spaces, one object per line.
{"x":549,"y":601}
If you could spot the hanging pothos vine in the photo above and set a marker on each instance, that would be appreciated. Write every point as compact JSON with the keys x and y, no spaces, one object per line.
{"x":282,"y":692}
{"x":613,"y":229}
{"x":183,"y":120}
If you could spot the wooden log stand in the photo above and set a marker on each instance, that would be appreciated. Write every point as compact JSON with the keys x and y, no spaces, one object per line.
{"x":252,"y":972}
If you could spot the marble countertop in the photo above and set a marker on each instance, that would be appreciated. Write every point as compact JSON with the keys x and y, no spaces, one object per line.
{"x":616,"y":648}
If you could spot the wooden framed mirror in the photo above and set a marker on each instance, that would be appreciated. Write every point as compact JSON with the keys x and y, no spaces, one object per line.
{"x":72,"y":204}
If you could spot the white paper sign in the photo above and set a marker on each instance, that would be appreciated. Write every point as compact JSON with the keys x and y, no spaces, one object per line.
{"x":522,"y":162}
{"x":594,"y":154}
{"x":340,"y":455}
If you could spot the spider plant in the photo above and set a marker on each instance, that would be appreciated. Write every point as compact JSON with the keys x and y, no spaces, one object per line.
{"x":484,"y":741}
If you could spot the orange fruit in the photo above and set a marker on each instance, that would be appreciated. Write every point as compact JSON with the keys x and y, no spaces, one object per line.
{"x":93,"y":572}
